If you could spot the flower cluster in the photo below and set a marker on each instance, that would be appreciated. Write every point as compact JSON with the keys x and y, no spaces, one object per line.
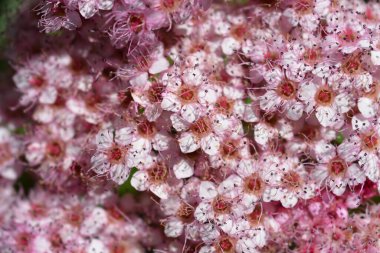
{"x":253,"y":127}
{"x":47,"y":222}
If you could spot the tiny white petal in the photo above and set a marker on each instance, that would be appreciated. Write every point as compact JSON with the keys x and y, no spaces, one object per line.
{"x":104,"y":139}
{"x":160,"y":190}
{"x":325,"y":115}
{"x":367,"y":107}
{"x":375,"y":58}
{"x":289,"y":199}
{"x":87,"y":8}
{"x":188,"y":143}
{"x":183,"y":169}
{"x":230,"y":187}
{"x":94,"y":222}
{"x":170,"y":102}
{"x":160,"y":142}
{"x":230,"y":45}
{"x":140,"y":181}
{"x":124,"y":136}
{"x":48,"y":95}
{"x":105,"y":4}
{"x":210,"y":144}
{"x":119,"y":173}
{"x":190,"y":112}
{"x":295,"y":111}
{"x":173,"y":228}
{"x":159,"y":65}
{"x":207,"y":190}
{"x":178,"y":123}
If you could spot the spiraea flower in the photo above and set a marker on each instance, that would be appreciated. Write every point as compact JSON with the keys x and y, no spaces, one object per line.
{"x":192,"y":126}
{"x":334,"y":170}
{"x":115,"y":153}
{"x":58,"y":14}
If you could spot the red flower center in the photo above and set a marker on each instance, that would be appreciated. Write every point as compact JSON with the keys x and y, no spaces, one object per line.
{"x":239,"y":32}
{"x":54,"y":149}
{"x":229,"y":149}
{"x":155,"y":92}
{"x":271,"y":58}
{"x":170,"y":5}
{"x":336,"y":236}
{"x":352,"y":64}
{"x":23,"y":239}
{"x":158,"y":173}
{"x":220,"y":205}
{"x":311,"y":55}
{"x":119,"y":248}
{"x":186,"y":94}
{"x":224,"y":104}
{"x":58,"y":10}
{"x":337,"y":166}
{"x":136,"y":22}
{"x":225,"y":244}
{"x":256,"y":215}
{"x":254,"y":184}
{"x":370,"y":141}
{"x":201,"y":127}
{"x":324,"y":96}
{"x":56,"y":241}
{"x":369,"y":15}
{"x":291,"y":179}
{"x":38,"y":210}
{"x":75,"y":217}
{"x":115,"y":154}
{"x":36,"y":81}
{"x":286,"y":89}
{"x":185,"y":212}
{"x":146,"y":128}
{"x":349,"y":35}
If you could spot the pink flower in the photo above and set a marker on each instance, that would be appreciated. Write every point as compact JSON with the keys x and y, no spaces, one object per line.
{"x":56,"y":14}
{"x":327,"y":103}
{"x":114,"y":155}
{"x":40,"y":79}
{"x":156,"y":178}
{"x":334,"y":170}
{"x":362,"y":146}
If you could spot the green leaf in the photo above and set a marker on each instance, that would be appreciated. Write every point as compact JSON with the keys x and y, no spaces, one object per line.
{"x":20,"y":131}
{"x":8,"y":10}
{"x":247,"y":100}
{"x":339,"y":138}
{"x":170,"y":60}
{"x":225,"y":59}
{"x":247,"y":128}
{"x":56,"y":33}
{"x":126,"y":187}
{"x":25,"y":182}
{"x":141,"y":110}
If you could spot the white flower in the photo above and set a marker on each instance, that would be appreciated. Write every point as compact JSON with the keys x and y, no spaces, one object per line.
{"x":113,"y":155}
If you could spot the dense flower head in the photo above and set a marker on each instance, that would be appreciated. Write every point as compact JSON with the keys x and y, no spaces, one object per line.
{"x":192,"y":126}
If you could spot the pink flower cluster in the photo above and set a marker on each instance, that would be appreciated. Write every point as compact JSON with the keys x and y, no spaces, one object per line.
{"x":247,"y":127}
{"x":47,"y":222}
